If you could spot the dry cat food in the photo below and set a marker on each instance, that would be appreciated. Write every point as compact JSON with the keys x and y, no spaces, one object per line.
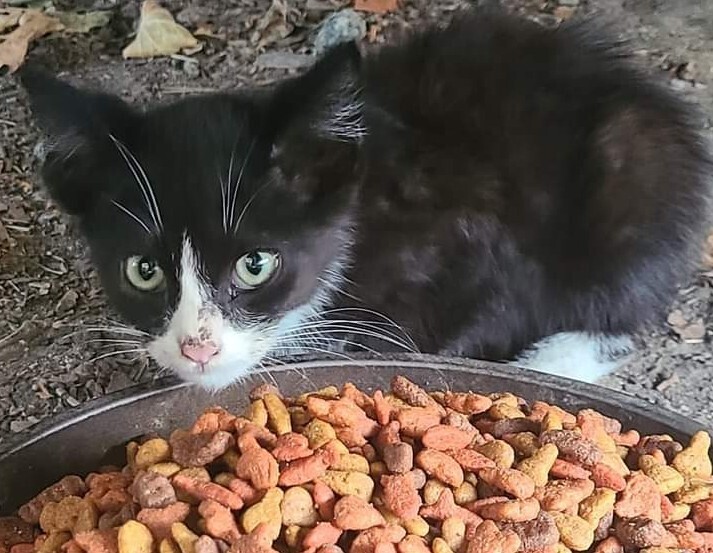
{"x":408,"y":471}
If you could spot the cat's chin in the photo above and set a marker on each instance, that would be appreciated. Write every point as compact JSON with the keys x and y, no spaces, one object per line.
{"x":214,"y":380}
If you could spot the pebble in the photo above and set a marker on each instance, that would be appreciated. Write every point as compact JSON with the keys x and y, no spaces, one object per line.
{"x":571,"y":3}
{"x":342,"y":26}
{"x":22,"y":425}
{"x":67,"y":302}
{"x":192,"y":69}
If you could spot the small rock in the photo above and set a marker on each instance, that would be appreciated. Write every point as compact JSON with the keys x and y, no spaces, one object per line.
{"x":572,"y":3}
{"x":192,"y":69}
{"x":67,"y":301}
{"x":342,"y":26}
{"x":694,"y":333}
{"x":676,"y":319}
{"x":283,"y":60}
{"x":21,"y":426}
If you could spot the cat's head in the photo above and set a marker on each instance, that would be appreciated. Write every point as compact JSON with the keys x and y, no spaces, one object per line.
{"x":218,"y":224}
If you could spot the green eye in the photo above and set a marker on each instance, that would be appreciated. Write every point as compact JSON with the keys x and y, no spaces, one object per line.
{"x":144,"y":273}
{"x":254,"y":269}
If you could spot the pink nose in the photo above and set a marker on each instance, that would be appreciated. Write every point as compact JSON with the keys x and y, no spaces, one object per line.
{"x":200,"y":352}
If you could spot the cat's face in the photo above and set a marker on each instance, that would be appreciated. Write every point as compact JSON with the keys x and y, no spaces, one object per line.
{"x":219,"y":225}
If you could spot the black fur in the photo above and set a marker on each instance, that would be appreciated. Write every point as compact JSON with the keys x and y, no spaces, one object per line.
{"x":512,"y":182}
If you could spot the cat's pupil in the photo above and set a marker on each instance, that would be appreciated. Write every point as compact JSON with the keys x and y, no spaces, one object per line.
{"x":147,"y":268}
{"x":254,"y":263}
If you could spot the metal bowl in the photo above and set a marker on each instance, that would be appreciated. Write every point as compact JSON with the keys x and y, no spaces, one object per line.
{"x":94,"y":435}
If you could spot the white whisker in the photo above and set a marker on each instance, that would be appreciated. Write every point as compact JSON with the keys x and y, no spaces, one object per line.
{"x":142,"y":180}
{"x":115,"y":353}
{"x":239,"y":179}
{"x":132,"y":215}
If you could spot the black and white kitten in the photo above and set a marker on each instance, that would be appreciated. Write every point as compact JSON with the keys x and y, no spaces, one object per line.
{"x":494,"y":190}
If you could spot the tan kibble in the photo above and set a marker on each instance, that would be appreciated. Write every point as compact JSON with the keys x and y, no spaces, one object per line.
{"x":319,"y":433}
{"x":432,"y":491}
{"x":257,"y":412}
{"x":502,"y":453}
{"x":453,"y":532}
{"x":134,"y":537}
{"x":151,"y":452}
{"x":465,"y":493}
{"x":277,"y":414}
{"x":538,"y":466}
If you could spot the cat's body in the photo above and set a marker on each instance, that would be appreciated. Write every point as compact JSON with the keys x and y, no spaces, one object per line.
{"x":473,"y":190}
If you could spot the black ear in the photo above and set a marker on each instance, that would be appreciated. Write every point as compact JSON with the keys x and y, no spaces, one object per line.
{"x":326,"y":101}
{"x":78,"y":127}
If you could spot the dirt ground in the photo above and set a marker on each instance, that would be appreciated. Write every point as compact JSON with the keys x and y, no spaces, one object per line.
{"x":49,"y":293}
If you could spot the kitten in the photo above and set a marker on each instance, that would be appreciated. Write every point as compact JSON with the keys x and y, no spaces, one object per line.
{"x":493,"y":189}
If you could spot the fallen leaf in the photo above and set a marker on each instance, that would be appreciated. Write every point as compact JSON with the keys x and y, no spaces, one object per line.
{"x":33,"y":24}
{"x":158,"y":34}
{"x":376,"y":6}
{"x":207,"y":31}
{"x":276,"y":24}
{"x":10,"y":17}
{"x":83,"y":22}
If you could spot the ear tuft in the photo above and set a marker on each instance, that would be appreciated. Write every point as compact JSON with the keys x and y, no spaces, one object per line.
{"x":328,"y":97}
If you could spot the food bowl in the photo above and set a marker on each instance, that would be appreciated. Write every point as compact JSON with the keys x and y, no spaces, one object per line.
{"x":83,"y":440}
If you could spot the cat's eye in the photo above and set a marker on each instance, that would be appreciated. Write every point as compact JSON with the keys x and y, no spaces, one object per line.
{"x":144,"y":273}
{"x":254,"y":269}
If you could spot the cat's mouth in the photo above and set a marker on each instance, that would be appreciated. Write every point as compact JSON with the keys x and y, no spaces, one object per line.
{"x":213,"y":360}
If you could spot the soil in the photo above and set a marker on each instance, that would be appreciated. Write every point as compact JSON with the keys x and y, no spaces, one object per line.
{"x":49,"y":294}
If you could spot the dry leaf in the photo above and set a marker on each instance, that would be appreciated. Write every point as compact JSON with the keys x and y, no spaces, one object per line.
{"x":207,"y":31}
{"x":9,"y":17}
{"x":277,"y":23}
{"x":376,"y":6}
{"x":32,"y":25}
{"x":158,"y":34}
{"x":83,"y":22}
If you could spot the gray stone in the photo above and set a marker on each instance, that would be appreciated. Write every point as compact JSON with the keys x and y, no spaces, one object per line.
{"x":342,"y":26}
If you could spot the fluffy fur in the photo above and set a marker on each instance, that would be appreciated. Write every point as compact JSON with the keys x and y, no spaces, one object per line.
{"x":470,"y":191}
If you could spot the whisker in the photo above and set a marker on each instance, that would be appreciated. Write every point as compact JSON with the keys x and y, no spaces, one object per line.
{"x":115,"y":353}
{"x":132,"y":215}
{"x":250,"y":201}
{"x":346,"y":325}
{"x":240,"y":179}
{"x":142,"y":180}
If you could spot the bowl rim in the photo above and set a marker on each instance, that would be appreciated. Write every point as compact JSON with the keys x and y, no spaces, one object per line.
{"x":161,"y":386}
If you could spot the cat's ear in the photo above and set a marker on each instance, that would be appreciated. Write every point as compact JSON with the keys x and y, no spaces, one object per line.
{"x":326,"y":102}
{"x":79,"y":127}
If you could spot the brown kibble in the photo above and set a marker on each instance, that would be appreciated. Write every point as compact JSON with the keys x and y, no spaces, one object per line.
{"x":69,"y":485}
{"x":398,"y":457}
{"x":414,"y":395}
{"x":197,"y":450}
{"x":573,"y":446}
{"x":641,"y":532}
{"x":152,"y":490}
